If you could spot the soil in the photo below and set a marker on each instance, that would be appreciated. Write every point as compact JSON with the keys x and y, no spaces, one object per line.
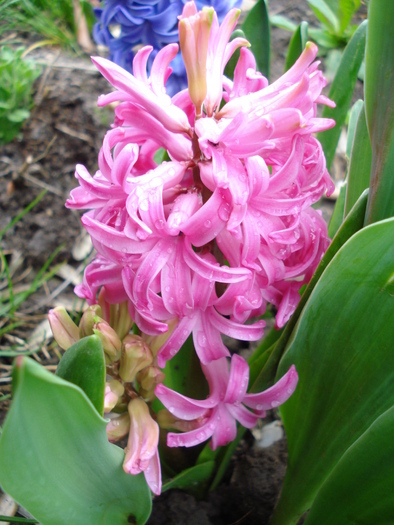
{"x":66,"y":128}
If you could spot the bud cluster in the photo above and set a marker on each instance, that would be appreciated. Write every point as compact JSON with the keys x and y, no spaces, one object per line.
{"x":132,"y":376}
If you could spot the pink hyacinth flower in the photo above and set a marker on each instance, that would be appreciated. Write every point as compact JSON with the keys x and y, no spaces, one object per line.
{"x":225,"y":226}
{"x":228,"y":402}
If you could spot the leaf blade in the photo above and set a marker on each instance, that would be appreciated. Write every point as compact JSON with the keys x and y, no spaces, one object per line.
{"x":341,"y":91}
{"x":379,"y":106}
{"x":83,"y":479}
{"x":350,"y":370}
{"x":257,"y":30}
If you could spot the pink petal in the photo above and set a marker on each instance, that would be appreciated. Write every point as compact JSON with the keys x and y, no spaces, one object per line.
{"x":276,"y":395}
{"x":238,"y":380}
{"x":169,"y":115}
{"x":211,"y":271}
{"x":181,"y":406}
{"x":153,"y":474}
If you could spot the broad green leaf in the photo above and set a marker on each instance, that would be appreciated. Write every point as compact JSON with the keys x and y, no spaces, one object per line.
{"x":360,"y":163}
{"x":83,"y":364}
{"x":297,"y":44}
{"x":341,"y":91}
{"x":379,"y":107}
{"x":194,"y":479}
{"x":257,"y":30}
{"x":360,"y":488}
{"x":342,"y":347}
{"x":324,"y":13}
{"x":354,"y":222}
{"x":56,"y":461}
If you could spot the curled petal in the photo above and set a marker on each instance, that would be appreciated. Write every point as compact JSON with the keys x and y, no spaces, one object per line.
{"x":276,"y":395}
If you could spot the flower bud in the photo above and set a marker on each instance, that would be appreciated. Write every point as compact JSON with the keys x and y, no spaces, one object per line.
{"x":168,"y":421}
{"x":118,"y":427}
{"x":65,"y":331}
{"x":120,"y":319}
{"x":155,"y":342}
{"x":114,"y":390}
{"x":90,"y":317}
{"x":112,"y":345}
{"x":143,"y":438}
{"x":116,"y":315}
{"x":194,"y":32}
{"x":148,"y":379}
{"x":135,"y":356}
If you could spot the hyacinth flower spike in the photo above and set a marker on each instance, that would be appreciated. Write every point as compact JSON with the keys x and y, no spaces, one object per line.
{"x":230,"y":211}
{"x":228,"y":402}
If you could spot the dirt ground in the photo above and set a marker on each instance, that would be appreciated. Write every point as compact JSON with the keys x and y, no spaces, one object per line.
{"x":66,"y":128}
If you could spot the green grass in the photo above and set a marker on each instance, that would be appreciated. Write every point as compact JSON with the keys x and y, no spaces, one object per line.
{"x":10,"y":297}
{"x":51,"y":19}
{"x":17,"y":76}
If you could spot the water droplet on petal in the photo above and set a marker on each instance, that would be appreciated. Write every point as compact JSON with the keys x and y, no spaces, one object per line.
{"x":224,"y":211}
{"x":207,"y":223}
{"x":144,"y":205}
{"x":201,"y":339}
{"x":275,"y":404}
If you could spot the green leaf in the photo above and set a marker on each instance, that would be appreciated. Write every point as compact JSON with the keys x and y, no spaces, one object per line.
{"x":257,"y":30}
{"x":379,"y":107}
{"x":13,"y":519}
{"x":324,"y":13}
{"x":360,"y":488}
{"x":353,"y":118}
{"x":56,"y":461}
{"x":323,"y":38}
{"x":342,"y":349}
{"x":231,"y":64}
{"x":18,"y":115}
{"x":360,"y":163}
{"x":193,"y":479}
{"x":297,"y":44}
{"x":346,"y":9}
{"x":338,"y":213}
{"x":183,"y":374}
{"x":341,"y":91}
{"x":354,"y":222}
{"x":83,"y":364}
{"x":283,"y":23}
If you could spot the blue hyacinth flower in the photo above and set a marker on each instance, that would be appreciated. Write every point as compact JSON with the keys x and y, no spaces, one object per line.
{"x":124,"y":24}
